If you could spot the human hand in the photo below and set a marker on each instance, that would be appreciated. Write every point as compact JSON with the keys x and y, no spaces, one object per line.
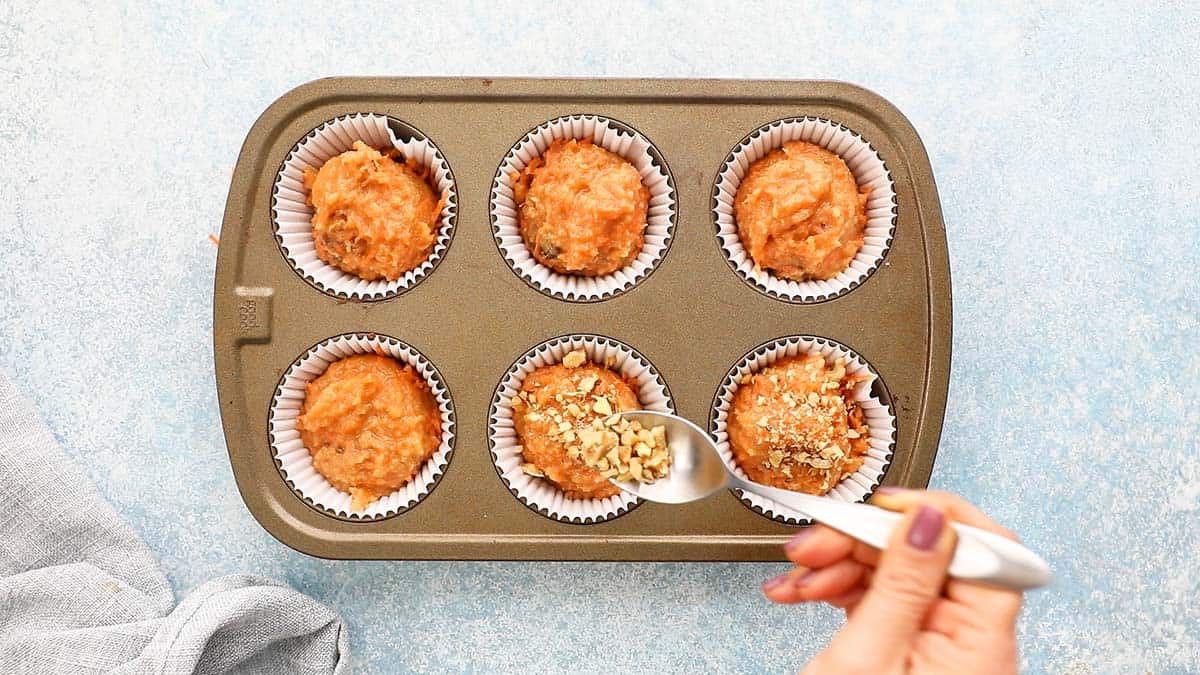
{"x":903,"y":614}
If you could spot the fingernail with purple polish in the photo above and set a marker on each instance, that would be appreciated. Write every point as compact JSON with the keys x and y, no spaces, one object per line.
{"x":926,"y":528}
{"x":888,"y":490}
{"x":775,"y":582}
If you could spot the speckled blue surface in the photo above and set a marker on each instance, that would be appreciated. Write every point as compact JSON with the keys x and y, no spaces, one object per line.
{"x":1063,"y":142}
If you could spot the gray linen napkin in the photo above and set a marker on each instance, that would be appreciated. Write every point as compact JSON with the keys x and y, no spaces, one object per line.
{"x":80,"y":593}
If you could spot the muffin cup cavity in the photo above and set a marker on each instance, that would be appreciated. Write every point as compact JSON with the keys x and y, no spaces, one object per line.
{"x":619,"y":139}
{"x":869,"y":171}
{"x":540,"y":494}
{"x":294,"y":460}
{"x":857,"y":487}
{"x":292,"y":216}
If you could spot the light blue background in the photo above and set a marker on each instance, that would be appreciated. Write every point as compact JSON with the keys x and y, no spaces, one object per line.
{"x":1063,"y":139}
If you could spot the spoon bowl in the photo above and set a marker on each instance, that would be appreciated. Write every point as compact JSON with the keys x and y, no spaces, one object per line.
{"x":697,"y":471}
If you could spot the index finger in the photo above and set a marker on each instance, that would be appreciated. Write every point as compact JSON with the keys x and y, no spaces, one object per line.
{"x":997,"y":604}
{"x":820,"y":546}
{"x":958,"y":509}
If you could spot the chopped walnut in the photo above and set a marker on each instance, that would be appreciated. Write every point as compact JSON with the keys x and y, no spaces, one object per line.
{"x":798,"y":425}
{"x":575,"y":359}
{"x":570,"y":406}
{"x":623,"y":449}
{"x":602,"y":406}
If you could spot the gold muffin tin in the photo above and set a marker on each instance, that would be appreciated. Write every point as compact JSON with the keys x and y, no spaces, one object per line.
{"x":472,"y":317}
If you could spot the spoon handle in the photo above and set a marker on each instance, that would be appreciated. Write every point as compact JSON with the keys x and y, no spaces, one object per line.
{"x":980,"y":555}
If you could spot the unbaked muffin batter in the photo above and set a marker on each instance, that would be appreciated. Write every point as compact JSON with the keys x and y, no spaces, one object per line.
{"x":794,"y":425}
{"x":369,"y":423}
{"x":582,"y":209}
{"x":374,"y":216}
{"x":553,"y":405}
{"x":800,"y":214}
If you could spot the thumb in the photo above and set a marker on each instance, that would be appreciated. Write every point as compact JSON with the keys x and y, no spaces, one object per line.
{"x":906,"y":583}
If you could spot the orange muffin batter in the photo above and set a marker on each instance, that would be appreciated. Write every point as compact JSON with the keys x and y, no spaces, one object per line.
{"x":369,"y":423}
{"x":374,"y":216}
{"x":794,"y":425}
{"x":800,"y":213}
{"x":582,"y":209}
{"x":554,"y":403}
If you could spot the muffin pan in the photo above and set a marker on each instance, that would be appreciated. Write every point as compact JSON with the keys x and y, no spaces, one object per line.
{"x":693,"y":316}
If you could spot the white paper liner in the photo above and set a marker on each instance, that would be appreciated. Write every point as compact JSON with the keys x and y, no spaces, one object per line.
{"x":660,"y":215}
{"x":292,"y":216}
{"x":869,"y":171}
{"x":858,"y":486}
{"x":295,"y":461}
{"x":540,"y":494}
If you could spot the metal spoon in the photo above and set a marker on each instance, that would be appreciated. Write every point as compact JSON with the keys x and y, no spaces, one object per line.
{"x":698,"y":471}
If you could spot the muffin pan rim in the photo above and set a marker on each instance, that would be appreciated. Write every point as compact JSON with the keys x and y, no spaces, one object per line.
{"x":318,"y":536}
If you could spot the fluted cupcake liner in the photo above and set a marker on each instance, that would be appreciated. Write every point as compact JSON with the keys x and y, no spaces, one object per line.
{"x":881,"y":423}
{"x":541,"y":494}
{"x":295,"y":461}
{"x":869,"y":171}
{"x":292,"y":215}
{"x":619,"y":139}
